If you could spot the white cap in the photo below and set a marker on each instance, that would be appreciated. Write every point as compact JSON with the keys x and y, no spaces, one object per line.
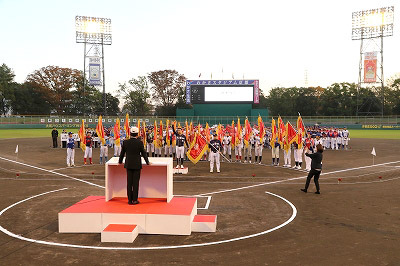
{"x":134,"y":130}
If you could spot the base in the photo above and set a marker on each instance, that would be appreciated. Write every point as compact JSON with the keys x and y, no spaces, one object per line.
{"x":183,"y":171}
{"x":152,"y":216}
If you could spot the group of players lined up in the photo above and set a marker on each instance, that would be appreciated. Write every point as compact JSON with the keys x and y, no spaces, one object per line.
{"x":231,"y":140}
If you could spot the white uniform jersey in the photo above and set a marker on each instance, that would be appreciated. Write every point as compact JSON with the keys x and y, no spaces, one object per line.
{"x":227,"y":140}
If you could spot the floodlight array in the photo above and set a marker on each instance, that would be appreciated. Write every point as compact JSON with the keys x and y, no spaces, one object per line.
{"x":93,"y":30}
{"x":373,"y":23}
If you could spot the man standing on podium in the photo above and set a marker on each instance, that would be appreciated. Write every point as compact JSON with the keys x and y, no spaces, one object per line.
{"x":134,"y":150}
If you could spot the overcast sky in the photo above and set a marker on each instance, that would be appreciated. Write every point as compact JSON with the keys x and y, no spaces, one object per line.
{"x":273,"y":41}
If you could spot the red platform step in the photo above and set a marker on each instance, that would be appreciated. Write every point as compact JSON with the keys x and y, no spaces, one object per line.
{"x":204,"y":223}
{"x":119,"y":233}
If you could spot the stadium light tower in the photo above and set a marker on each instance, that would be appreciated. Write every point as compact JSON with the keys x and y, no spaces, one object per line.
{"x":95,"y":32}
{"x":369,"y":26}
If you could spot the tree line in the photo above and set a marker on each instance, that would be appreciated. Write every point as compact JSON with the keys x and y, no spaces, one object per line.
{"x":57,"y":90}
{"x":338,"y":99}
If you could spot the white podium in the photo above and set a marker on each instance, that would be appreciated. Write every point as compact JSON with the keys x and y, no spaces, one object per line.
{"x":156,"y":180}
{"x":159,"y":212}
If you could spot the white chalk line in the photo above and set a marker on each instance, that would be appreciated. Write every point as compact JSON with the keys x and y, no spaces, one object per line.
{"x":294,"y":213}
{"x":201,"y":208}
{"x":50,"y":171}
{"x":293,"y":178}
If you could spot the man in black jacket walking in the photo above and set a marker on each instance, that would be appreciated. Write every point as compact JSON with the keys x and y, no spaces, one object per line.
{"x":316,"y":167}
{"x":134,"y":150}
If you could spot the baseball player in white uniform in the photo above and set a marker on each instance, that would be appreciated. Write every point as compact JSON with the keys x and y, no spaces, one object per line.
{"x":258,"y":148}
{"x":227,"y":145}
{"x":70,"y":150}
{"x":104,"y":150}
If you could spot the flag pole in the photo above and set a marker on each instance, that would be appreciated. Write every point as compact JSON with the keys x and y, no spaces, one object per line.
{"x":215,"y":148}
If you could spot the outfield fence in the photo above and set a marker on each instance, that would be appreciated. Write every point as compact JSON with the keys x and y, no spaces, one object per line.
{"x":43,"y":121}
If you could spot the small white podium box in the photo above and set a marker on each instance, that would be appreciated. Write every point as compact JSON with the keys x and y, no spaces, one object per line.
{"x":156,"y":180}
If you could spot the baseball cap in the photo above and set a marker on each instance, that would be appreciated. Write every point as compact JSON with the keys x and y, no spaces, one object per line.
{"x":134,"y":130}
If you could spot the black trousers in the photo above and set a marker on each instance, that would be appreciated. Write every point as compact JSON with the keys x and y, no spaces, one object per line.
{"x":313,"y":173}
{"x":133,"y":177}
{"x":55,"y":145}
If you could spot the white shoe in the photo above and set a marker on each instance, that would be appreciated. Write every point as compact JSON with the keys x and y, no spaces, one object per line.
{"x":218,"y":171}
{"x":259,"y":163}
{"x":249,"y":161}
{"x":182,"y":167}
{"x":68,"y":165}
{"x":211,"y":171}
{"x":245,"y":162}
{"x":177,"y":167}
{"x":294,"y":167}
{"x":73,"y":165}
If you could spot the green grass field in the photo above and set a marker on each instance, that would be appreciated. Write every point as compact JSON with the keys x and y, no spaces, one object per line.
{"x":46,"y":132}
{"x":374,"y":134}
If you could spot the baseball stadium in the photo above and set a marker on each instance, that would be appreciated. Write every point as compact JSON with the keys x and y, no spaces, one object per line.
{"x":198,"y":168}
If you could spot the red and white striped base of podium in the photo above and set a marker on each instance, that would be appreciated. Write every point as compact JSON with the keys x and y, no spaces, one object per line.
{"x":152,"y":216}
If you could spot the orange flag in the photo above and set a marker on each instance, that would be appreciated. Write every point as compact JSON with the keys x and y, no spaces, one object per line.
{"x":233,"y":134}
{"x":238,"y":136}
{"x":100,"y":130}
{"x":126,"y":127}
{"x":167,"y":133}
{"x":117,"y":130}
{"x":207,"y":133}
{"x":138,"y":126}
{"x":155,"y":134}
{"x":82,"y":136}
{"x":247,"y":130}
{"x":144,"y":133}
{"x":261,"y":128}
{"x":300,"y":131}
{"x":281,"y":131}
{"x":274,"y":133}
{"x":220,"y":132}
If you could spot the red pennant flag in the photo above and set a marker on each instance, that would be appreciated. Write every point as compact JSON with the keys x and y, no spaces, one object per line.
{"x":290,"y":134}
{"x":197,"y":149}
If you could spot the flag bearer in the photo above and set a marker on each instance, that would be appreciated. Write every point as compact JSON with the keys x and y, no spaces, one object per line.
{"x":287,"y":154}
{"x":180,"y":147}
{"x":88,"y":150}
{"x":275,"y":152}
{"x":258,"y":147}
{"x":215,"y":148}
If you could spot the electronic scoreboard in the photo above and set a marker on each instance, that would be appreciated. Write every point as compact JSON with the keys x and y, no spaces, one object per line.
{"x":222,"y":91}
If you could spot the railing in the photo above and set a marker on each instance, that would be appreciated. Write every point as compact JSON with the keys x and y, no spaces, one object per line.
{"x":212,"y":120}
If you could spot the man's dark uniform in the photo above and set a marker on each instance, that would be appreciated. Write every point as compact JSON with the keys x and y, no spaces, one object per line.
{"x":134,"y":150}
{"x":54,"y":136}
